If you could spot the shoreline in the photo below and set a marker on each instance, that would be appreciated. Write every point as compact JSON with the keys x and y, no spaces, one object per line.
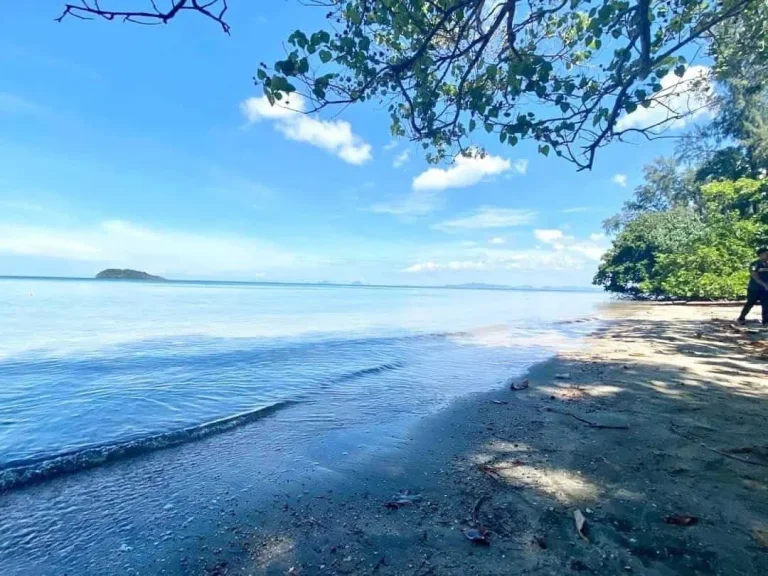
{"x":654,"y":436}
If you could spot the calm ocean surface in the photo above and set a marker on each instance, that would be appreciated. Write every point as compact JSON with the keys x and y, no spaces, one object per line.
{"x":138,"y":420}
{"x":94,"y":369}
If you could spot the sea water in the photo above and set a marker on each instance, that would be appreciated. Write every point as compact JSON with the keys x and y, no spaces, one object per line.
{"x":95,"y":372}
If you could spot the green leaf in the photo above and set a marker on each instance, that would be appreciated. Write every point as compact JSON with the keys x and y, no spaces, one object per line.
{"x":325,"y":56}
{"x":564,"y":106}
{"x":280,"y":84}
{"x":472,"y":124}
{"x":544,"y":149}
{"x":488,"y":127}
{"x":680,"y":70}
{"x":260,"y":74}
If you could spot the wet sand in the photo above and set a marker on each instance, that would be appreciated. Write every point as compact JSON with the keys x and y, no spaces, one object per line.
{"x":655,"y":431}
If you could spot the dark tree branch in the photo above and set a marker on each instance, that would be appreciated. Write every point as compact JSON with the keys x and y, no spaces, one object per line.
{"x":90,"y":9}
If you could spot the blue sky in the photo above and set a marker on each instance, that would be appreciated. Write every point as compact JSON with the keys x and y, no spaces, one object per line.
{"x":149,"y":147}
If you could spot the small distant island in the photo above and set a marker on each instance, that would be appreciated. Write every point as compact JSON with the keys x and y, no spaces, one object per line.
{"x":125,"y":274}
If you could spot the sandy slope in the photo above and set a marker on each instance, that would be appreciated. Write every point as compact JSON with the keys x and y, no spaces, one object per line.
{"x":664,"y":414}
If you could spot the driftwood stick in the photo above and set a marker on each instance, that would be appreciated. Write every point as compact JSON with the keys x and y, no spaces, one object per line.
{"x":715,"y":450}
{"x":593,"y":424}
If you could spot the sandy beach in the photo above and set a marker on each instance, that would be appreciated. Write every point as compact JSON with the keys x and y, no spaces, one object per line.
{"x":654,"y":431}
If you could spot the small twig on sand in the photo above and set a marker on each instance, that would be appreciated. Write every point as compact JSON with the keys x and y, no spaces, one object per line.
{"x":476,"y":509}
{"x":715,"y":450}
{"x":592,"y":424}
{"x":491,"y":472}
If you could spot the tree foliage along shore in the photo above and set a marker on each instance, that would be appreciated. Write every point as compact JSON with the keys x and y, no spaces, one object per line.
{"x":692,"y":228}
{"x":560,"y":72}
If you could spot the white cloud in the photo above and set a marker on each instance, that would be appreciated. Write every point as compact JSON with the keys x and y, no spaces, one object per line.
{"x":417,"y":203}
{"x":465,"y":171}
{"x":593,"y":248}
{"x":334,"y":136}
{"x":489,"y":217}
{"x":401,"y":158}
{"x":115,"y":243}
{"x":390,"y":146}
{"x":562,"y":252}
{"x":677,"y":96}
{"x":520,"y":166}
{"x":620,"y":179}
{"x":434,"y":267}
{"x":548,"y":236}
{"x":576,"y":209}
{"x":497,"y":240}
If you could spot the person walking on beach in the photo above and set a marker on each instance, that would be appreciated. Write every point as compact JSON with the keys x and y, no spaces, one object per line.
{"x":758,"y":287}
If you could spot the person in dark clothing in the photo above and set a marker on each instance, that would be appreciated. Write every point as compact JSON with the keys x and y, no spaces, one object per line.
{"x":758,"y":287}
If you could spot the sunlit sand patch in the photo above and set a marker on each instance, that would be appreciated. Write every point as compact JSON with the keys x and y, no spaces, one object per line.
{"x":564,"y":486}
{"x":668,"y":389}
{"x":277,"y":548}
{"x":575,"y":392}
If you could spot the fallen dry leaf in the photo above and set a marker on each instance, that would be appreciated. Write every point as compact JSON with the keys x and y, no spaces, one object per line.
{"x":681,"y":520}
{"x":761,"y":535}
{"x":581,"y":524}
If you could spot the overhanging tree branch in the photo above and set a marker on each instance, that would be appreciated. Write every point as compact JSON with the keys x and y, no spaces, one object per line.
{"x":90,"y":9}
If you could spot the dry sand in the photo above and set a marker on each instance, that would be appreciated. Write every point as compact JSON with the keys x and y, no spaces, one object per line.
{"x":658,"y":435}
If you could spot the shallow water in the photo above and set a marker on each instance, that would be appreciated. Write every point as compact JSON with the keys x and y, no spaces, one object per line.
{"x":97,"y":371}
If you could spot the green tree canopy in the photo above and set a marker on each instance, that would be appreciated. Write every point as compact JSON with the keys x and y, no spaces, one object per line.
{"x":674,"y":251}
{"x":560,"y":72}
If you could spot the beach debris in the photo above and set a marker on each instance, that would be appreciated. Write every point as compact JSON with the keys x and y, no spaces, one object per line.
{"x":499,"y":401}
{"x":478,"y":535}
{"x":490,"y":471}
{"x":693,"y":438}
{"x":589,"y":423}
{"x":404,"y":498}
{"x":581,"y":524}
{"x":563,"y":376}
{"x":513,"y":385}
{"x":761,"y":535}
{"x":681,"y":520}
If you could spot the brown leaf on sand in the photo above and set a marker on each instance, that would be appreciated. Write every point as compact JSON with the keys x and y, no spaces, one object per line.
{"x":761,"y":535}
{"x":681,"y":520}
{"x":519,"y":385}
{"x":581,"y":524}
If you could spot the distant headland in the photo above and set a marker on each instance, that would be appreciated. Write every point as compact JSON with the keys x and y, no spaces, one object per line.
{"x":125,"y":274}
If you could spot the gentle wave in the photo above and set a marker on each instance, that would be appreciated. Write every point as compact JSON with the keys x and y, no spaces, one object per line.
{"x":368,"y":371}
{"x":19,"y":473}
{"x":22,"y":473}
